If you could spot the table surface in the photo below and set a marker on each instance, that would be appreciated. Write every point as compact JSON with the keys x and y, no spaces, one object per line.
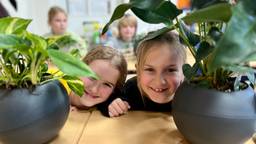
{"x":136,"y":127}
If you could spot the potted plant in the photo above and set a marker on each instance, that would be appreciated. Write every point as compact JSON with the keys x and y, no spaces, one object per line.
{"x":216,"y":102}
{"x":33,"y":104}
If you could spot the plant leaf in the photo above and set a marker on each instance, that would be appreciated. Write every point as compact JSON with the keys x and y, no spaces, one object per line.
{"x":146,"y":4}
{"x":189,"y":71}
{"x":151,"y":11}
{"x":70,"y":65}
{"x":239,"y":69}
{"x":238,"y":44}
{"x":118,"y":13}
{"x":12,"y":42}
{"x":217,"y":12}
{"x":75,"y":84}
{"x":164,"y":12}
{"x":203,"y":51}
{"x":193,"y":38}
{"x":156,"y":33}
{"x":11,"y":25}
{"x":38,"y":43}
{"x":199,"y":4}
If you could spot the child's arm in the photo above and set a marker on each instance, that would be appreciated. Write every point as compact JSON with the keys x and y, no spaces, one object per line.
{"x":118,"y":107}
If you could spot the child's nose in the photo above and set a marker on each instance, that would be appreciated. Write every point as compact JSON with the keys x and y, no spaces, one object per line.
{"x":161,"y":79}
{"x":95,"y":87}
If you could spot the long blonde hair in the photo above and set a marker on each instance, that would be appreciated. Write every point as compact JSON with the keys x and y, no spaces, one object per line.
{"x":115,"y":58}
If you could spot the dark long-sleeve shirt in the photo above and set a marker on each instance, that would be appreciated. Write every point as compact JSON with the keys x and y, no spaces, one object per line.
{"x":132,"y":95}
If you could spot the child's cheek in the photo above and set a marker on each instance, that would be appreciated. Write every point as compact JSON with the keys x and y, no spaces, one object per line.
{"x":86,"y":80}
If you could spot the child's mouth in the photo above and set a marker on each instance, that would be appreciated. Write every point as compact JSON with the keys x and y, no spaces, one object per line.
{"x":158,"y":90}
{"x":90,"y":95}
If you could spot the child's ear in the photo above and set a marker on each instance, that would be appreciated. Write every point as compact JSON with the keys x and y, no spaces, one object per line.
{"x":135,"y":66}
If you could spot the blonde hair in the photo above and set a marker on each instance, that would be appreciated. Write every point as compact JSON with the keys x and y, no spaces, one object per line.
{"x":144,"y":47}
{"x":54,"y":11}
{"x":127,"y":20}
{"x":115,"y":58}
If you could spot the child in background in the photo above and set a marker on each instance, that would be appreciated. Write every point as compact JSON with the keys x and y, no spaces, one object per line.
{"x":124,"y":42}
{"x":159,"y":74}
{"x":58,"y":22}
{"x":111,"y":67}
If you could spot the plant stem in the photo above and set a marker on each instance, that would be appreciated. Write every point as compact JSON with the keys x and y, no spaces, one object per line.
{"x":184,"y":37}
{"x":5,"y":72}
{"x":192,"y":49}
{"x":33,"y":71}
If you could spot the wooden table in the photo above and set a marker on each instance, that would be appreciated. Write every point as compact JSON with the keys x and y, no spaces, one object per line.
{"x":136,"y":127}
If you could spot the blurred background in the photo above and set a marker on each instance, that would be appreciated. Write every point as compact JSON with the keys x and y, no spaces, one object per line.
{"x":85,"y":17}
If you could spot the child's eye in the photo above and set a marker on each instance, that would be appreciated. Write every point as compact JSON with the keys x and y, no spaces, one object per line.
{"x":91,"y":78}
{"x":108,"y":85}
{"x":149,"y":69}
{"x":172,"y":70}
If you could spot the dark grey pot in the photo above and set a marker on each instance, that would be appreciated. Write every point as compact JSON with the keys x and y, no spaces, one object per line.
{"x":32,"y":117}
{"x":206,"y":116}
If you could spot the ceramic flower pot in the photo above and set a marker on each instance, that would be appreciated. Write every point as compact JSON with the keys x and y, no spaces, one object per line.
{"x":206,"y":116}
{"x":32,"y":116}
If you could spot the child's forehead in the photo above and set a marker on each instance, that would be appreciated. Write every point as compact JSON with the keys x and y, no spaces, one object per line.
{"x":127,"y":24}
{"x":160,"y":47}
{"x":158,"y":52}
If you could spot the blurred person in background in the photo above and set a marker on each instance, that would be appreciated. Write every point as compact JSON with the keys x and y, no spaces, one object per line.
{"x":58,"y":22}
{"x":124,"y":42}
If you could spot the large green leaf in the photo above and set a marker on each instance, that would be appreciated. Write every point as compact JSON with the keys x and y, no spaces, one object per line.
{"x":57,"y":42}
{"x":70,"y":65}
{"x":164,"y":12}
{"x":198,"y":4}
{"x":217,"y":12}
{"x":238,"y":42}
{"x":10,"y":25}
{"x":12,"y":42}
{"x":156,"y":33}
{"x":151,"y":11}
{"x":146,"y":4}
{"x":118,"y":13}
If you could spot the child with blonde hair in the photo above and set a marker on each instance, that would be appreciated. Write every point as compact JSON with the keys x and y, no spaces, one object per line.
{"x":124,"y":42}
{"x":159,"y":74}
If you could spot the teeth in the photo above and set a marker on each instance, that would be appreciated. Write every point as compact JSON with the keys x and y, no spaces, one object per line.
{"x":158,"y":90}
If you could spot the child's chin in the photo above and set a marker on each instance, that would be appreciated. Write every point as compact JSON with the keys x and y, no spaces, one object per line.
{"x":161,"y":101}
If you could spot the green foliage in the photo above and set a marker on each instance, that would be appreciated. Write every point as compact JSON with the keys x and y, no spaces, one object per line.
{"x":24,"y":56}
{"x":222,"y":46}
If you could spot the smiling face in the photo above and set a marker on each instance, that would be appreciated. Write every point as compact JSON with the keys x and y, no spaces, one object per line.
{"x":58,"y":23}
{"x":161,"y":73}
{"x":98,"y":91}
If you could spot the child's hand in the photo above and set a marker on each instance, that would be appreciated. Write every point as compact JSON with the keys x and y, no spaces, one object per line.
{"x":118,"y":107}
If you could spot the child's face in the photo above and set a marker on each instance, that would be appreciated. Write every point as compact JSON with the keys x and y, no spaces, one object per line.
{"x":127,"y":32}
{"x":59,"y":24}
{"x":98,"y":91}
{"x":161,"y":74}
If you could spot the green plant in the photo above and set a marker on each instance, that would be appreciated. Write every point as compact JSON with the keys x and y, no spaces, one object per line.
{"x":24,"y":56}
{"x":222,"y":46}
